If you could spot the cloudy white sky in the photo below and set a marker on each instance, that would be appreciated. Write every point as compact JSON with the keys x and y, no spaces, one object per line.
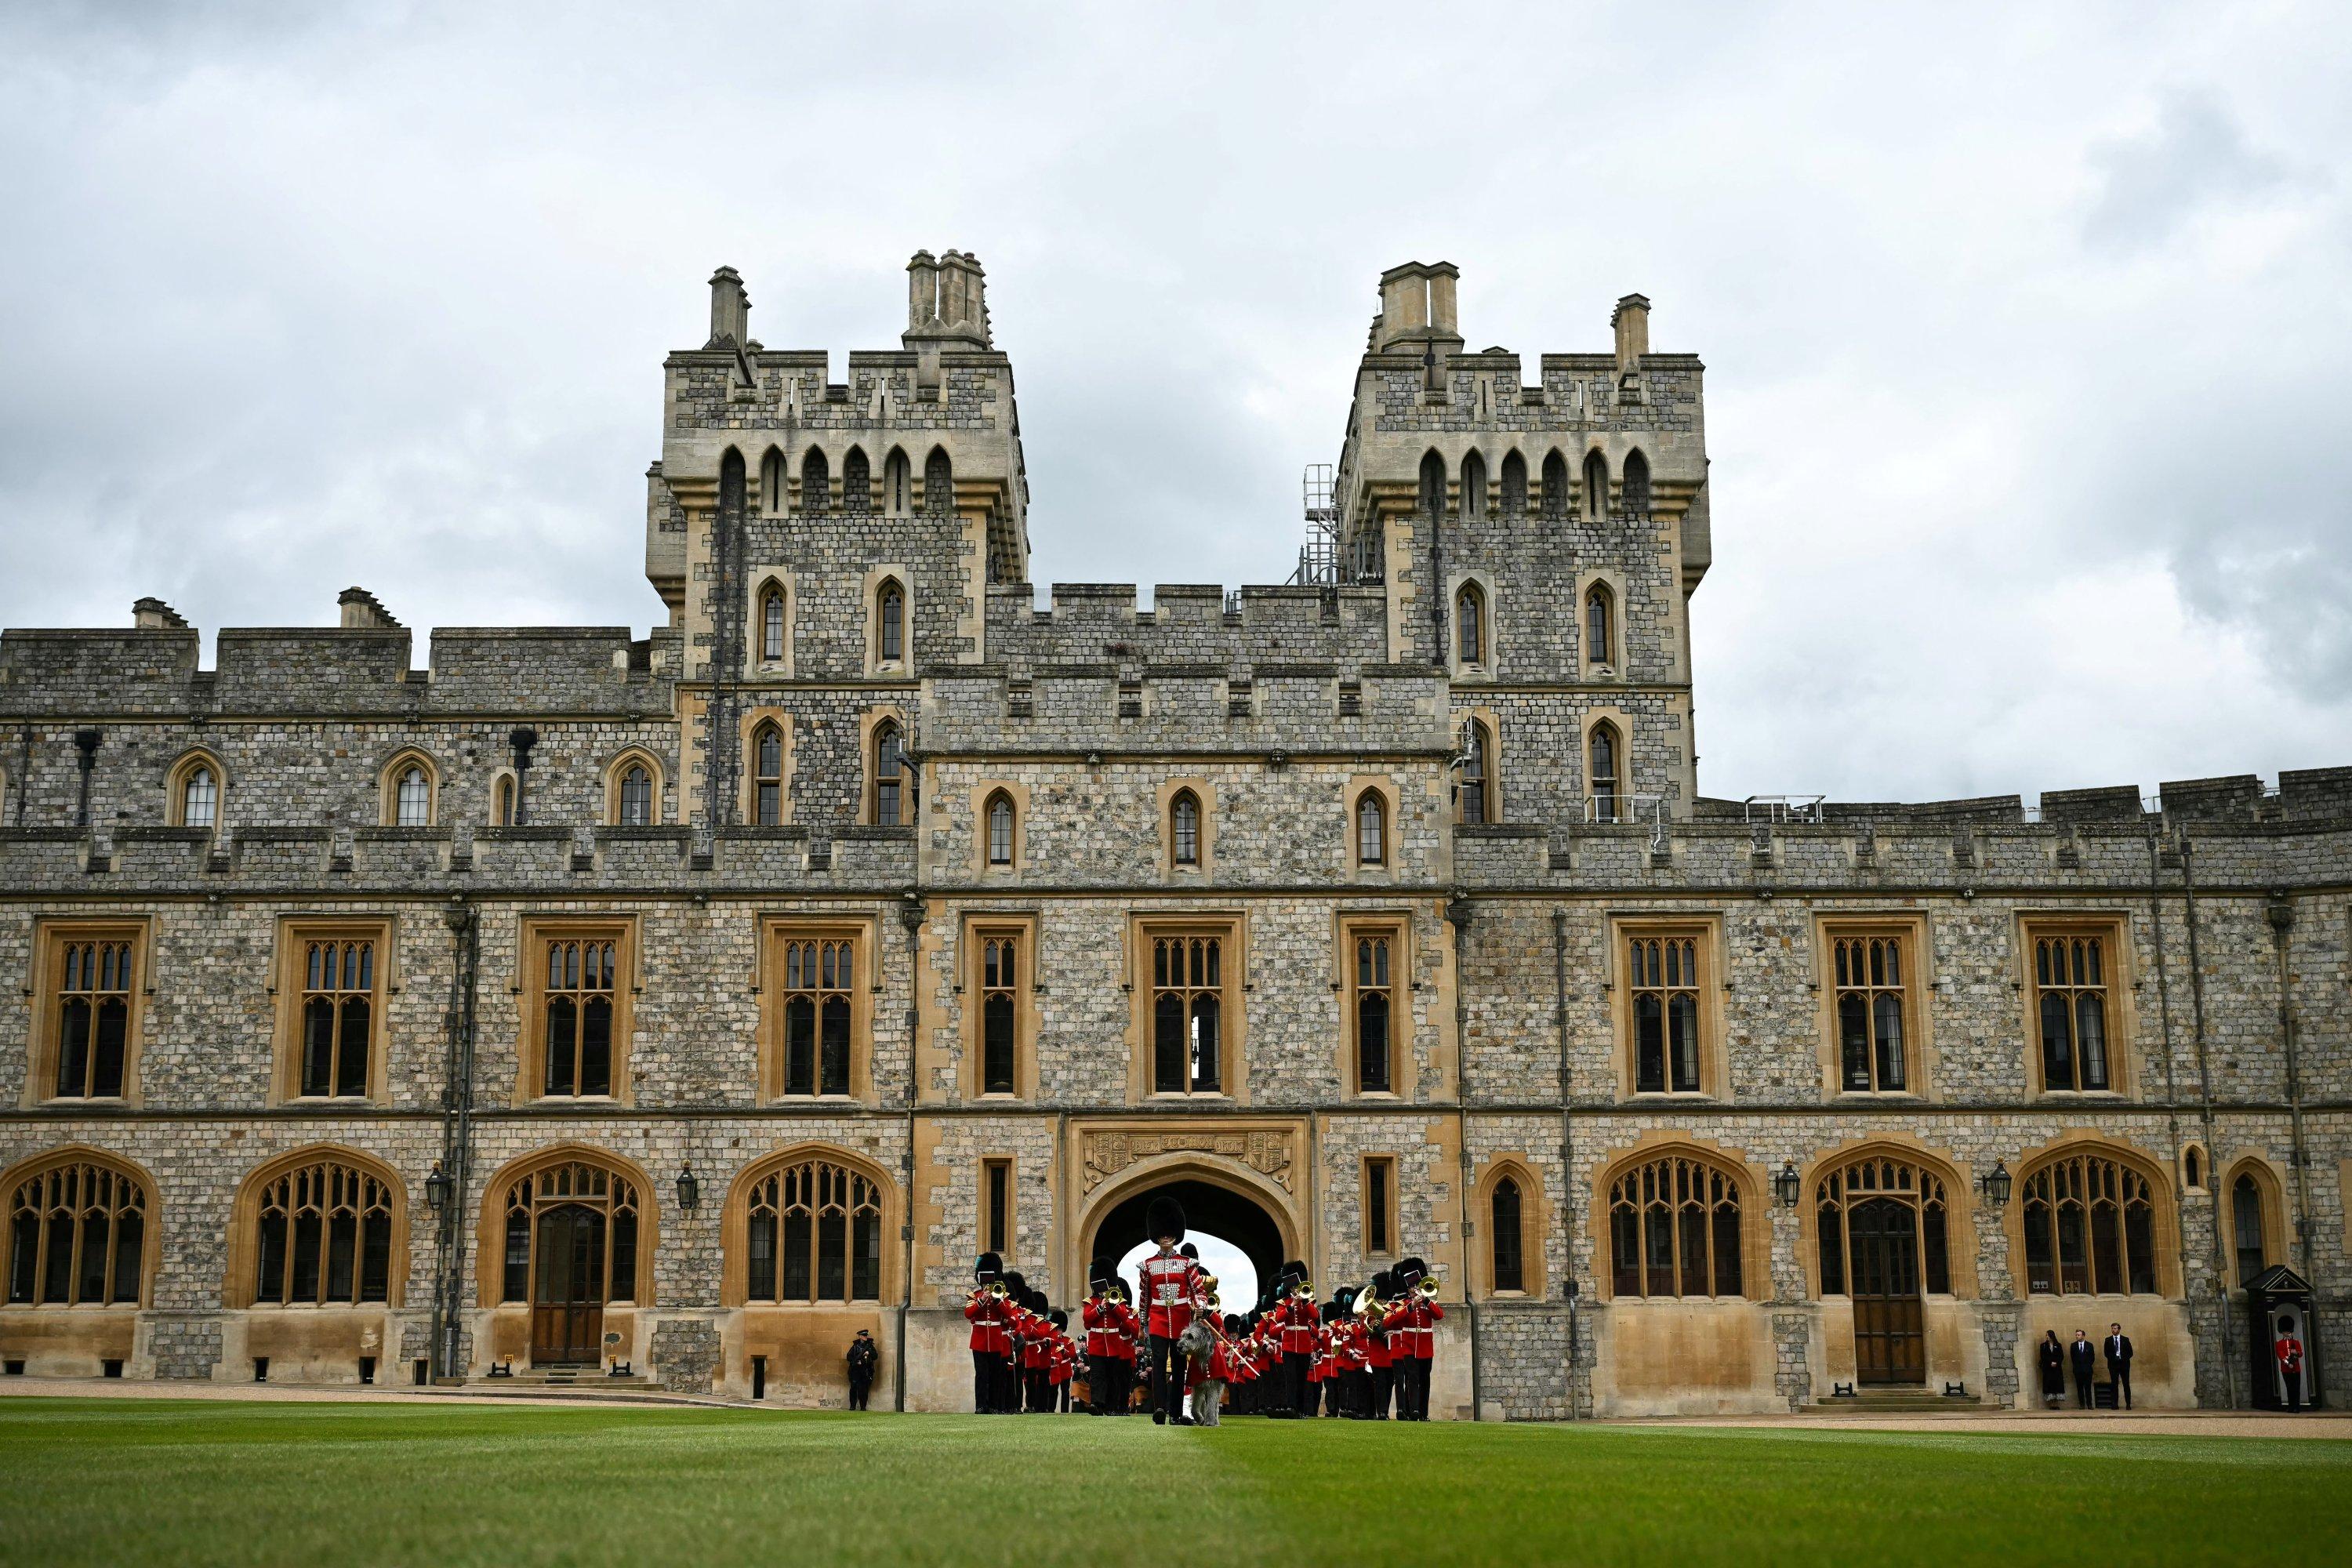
{"x":2028,"y":328}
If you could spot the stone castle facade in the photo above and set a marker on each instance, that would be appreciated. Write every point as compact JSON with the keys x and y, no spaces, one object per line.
{"x":686,"y":1003}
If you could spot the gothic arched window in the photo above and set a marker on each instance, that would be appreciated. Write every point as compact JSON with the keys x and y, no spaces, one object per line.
{"x":1674,"y":1229}
{"x":77,"y":1236}
{"x":1603,"y":780}
{"x":1635,"y":490}
{"x":1506,"y":1235}
{"x":199,"y":798}
{"x":1470,"y":624}
{"x":999,"y":829}
{"x":2090,"y":1227}
{"x":772,"y":623}
{"x":894,"y":790}
{"x":324,"y":1236}
{"x":1184,"y":828}
{"x":1433,"y":485}
{"x":1597,"y":617}
{"x":1474,"y":792}
{"x":1371,"y":829}
{"x":813,"y":1233}
{"x":890,"y":622}
{"x":768,"y":774}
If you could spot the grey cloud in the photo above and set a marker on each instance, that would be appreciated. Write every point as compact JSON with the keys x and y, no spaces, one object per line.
{"x":2195,"y":156}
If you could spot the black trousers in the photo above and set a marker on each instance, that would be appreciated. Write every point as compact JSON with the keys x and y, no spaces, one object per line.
{"x":2119,"y":1373}
{"x":1008,"y":1386}
{"x":1167,"y":1379}
{"x":1383,"y":1389}
{"x":2294,"y":1382}
{"x":1295,"y":1385}
{"x":1040,"y":1388}
{"x":859,"y":1387}
{"x":1412,"y":1397}
{"x":1098,"y":1384}
{"x":983,"y":1382}
{"x":2082,"y":1395}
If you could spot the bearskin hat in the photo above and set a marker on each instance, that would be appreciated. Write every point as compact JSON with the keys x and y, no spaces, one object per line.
{"x":1381,"y":1287}
{"x":1407,"y":1274}
{"x":1190,"y":1251}
{"x":1164,"y":1218}
{"x":1016,"y":1288}
{"x":1330,"y":1311}
{"x":1038,"y":1302}
{"x":988,"y":1267}
{"x":1234,"y":1326}
{"x":1060,"y":1318}
{"x":1099,"y":1273}
{"x":1293,"y":1272}
{"x":1344,"y":1300}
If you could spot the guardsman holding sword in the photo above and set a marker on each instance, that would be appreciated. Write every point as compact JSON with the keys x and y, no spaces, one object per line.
{"x":1170,"y":1285}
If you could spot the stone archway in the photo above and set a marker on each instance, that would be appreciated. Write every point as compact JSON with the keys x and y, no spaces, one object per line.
{"x":1221,"y":1202}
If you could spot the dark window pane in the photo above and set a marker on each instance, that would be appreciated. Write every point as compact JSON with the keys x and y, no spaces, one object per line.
{"x":1831,"y":1224}
{"x":517,"y":1267}
{"x":351,"y":1062}
{"x":2107,"y":1243}
{"x":1626,"y":1253}
{"x":1854,"y":1039}
{"x":106,"y":1058}
{"x":129,"y":1246}
{"x":1508,"y":1273}
{"x":269,"y":1269}
{"x":996,"y":1056}
{"x":596,"y":1046}
{"x":376,"y":1258}
{"x":1205,"y":1015}
{"x":1648,"y":1043}
{"x":760,"y":1259}
{"x":2246,"y":1221}
{"x":318,"y":1045}
{"x":91,"y":1285}
{"x":800,"y":1046}
{"x":2091,"y":1036}
{"x":1694,"y":1252}
{"x":1373,"y":1041}
{"x":832,"y":1281}
{"x":2074,"y":1251}
{"x":73,"y":1048}
{"x":624,"y":1255}
{"x":1683,"y":1035}
{"x":1658,"y":1237}
{"x":1728,"y":1281}
{"x":1889,"y":1009}
{"x":2041,"y":1264}
{"x":563,"y":1039}
{"x":342,"y":1248}
{"x":2057,"y":1044}
{"x":866,"y":1270}
{"x":2140,"y":1245}
{"x":798,"y":1267}
{"x":307,"y":1248}
{"x":1167,"y":1052}
{"x":1935,"y":1248}
{"x":835,"y":1063}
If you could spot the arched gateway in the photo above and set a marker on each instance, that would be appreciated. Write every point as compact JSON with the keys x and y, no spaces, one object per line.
{"x":1239,"y":1205}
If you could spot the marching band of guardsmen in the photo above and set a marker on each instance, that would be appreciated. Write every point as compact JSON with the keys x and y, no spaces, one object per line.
{"x":1358,"y":1355}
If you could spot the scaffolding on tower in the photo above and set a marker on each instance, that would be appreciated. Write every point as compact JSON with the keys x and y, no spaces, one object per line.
{"x":1318,"y":558}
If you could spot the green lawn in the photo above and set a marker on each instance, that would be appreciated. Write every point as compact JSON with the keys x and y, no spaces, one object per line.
{"x":124,"y":1481}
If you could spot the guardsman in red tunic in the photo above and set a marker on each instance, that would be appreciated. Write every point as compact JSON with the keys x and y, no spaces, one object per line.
{"x":1129,"y":1344}
{"x":1102,"y":1336}
{"x":1036,"y":1352}
{"x":1414,"y":1321}
{"x":985,"y":1309}
{"x":1170,"y":1282}
{"x":1294,"y":1321}
{"x":1061,"y":1366}
{"x":1349,"y":1345}
{"x":2287,"y":1350}
{"x":1377,"y":1354}
{"x":1012,"y":1385}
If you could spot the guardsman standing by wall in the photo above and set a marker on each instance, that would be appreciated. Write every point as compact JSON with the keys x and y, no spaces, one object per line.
{"x":985,"y":1310}
{"x":1171,"y":1280}
{"x":1414,"y":1321}
{"x":2287,"y":1351}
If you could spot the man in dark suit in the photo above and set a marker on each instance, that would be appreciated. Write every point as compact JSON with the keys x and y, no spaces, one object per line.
{"x":2118,"y":1352}
{"x":2080,"y":1356}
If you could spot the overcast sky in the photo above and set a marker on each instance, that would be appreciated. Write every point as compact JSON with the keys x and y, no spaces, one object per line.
{"x":2028,"y":330}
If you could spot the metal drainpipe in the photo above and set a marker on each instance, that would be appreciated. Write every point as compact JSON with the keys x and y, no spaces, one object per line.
{"x":1457,"y":915}
{"x":2204,"y":1077}
{"x":520,"y":740}
{"x":910,"y":915}
{"x":2282,"y":919}
{"x":24,"y":769}
{"x":456,"y":1134}
{"x":1567,"y":1146}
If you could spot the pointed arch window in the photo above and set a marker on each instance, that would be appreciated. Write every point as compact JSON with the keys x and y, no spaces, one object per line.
{"x":2090,"y":1227}
{"x":199,"y":797}
{"x":813,"y":1233}
{"x":2070,"y":982}
{"x":939,"y":483}
{"x":502,"y":802}
{"x":893,"y":784}
{"x":1373,"y":988}
{"x":1675,"y":1229}
{"x":1508,"y":1237}
{"x":579,"y":1001}
{"x":1598,"y":627}
{"x":772,"y":623}
{"x":1881,"y":1188}
{"x":1872,"y":1001}
{"x":1596,"y":488}
{"x":91,"y":1024}
{"x":636,"y":796}
{"x":816,"y":482}
{"x":890,"y":623}
{"x":1184,"y":828}
{"x":77,"y":1236}
{"x":1555,"y":487}
{"x":897,"y":484}
{"x":1635,"y":490}
{"x":857,"y":483}
{"x":999,"y":829}
{"x":768,"y":774}
{"x":1433,"y":485}
{"x":1371,"y":829}
{"x":1662,"y":972}
{"x":1470,"y":624}
{"x":412,"y":797}
{"x":603,"y":1255}
{"x":1188,"y":1003}
{"x":772,"y":483}
{"x":1605,"y":780}
{"x":323,"y":1236}
{"x":1474,"y":789}
{"x":1474,"y":487}
{"x":2246,"y":1225}
{"x":1515,"y":485}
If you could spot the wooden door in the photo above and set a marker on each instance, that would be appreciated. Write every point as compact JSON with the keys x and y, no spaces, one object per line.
{"x":567,"y":1300}
{"x":1889,"y":1319}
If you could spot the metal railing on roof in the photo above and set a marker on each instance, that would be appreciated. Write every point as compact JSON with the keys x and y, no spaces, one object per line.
{"x":1804,"y":808}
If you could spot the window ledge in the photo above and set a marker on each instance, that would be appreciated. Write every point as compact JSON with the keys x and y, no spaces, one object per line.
{"x":2065,"y":1096}
{"x":568,"y":1101}
{"x":311,"y":1102}
{"x":69,"y":1306}
{"x":1176,"y":1097}
{"x":1670,"y":1096}
{"x":85,"y":1102}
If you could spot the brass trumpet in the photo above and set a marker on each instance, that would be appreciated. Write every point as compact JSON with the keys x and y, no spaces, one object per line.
{"x":996,"y":1289}
{"x":1428,"y":1286}
{"x":1304,"y":1290}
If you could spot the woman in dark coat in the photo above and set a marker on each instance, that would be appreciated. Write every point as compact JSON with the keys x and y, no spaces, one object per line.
{"x":2053,"y":1369}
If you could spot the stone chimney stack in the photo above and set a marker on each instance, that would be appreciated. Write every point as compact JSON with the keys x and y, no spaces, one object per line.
{"x":362,"y":612}
{"x":1417,"y":305}
{"x":1632,"y":319}
{"x":922,"y":292}
{"x":731,"y":310}
{"x":152,"y":615}
{"x":1441,"y":278}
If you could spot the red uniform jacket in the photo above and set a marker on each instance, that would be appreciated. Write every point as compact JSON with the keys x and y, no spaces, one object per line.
{"x":2289,"y":1351}
{"x":1130,"y":1330}
{"x":987,"y":1316}
{"x":1170,"y":1283}
{"x":1319,"y":1370}
{"x":1065,"y":1353}
{"x":1301,"y":1322}
{"x":1102,"y":1327}
{"x":1377,"y":1349}
{"x":1036,"y":1343}
{"x":1410,"y":1320}
{"x":1349,"y":1345}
